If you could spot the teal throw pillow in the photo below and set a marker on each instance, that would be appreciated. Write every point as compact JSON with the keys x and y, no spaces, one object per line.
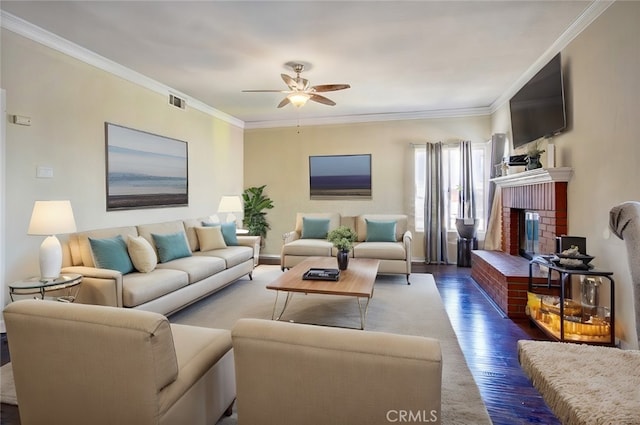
{"x":228,"y":231}
{"x":315,"y":228}
{"x":171,"y":246}
{"x":111,"y":253}
{"x":381,"y":231}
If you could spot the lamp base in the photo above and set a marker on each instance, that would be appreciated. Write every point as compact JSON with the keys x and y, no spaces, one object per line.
{"x":50,"y":258}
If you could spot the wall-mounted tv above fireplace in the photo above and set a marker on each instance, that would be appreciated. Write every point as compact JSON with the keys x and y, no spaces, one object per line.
{"x":538,"y":108}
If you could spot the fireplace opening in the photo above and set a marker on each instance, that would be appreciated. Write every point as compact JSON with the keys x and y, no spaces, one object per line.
{"x":529,"y":232}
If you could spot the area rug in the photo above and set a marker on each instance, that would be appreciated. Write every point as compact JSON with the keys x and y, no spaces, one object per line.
{"x":396,"y":307}
{"x":583,"y":384}
{"x":7,"y":387}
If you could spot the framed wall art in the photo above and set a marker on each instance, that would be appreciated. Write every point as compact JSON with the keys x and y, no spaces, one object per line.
{"x":340,"y":176}
{"x":144,"y":170}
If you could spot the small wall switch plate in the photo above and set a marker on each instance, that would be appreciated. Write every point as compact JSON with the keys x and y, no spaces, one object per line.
{"x":43,"y":172}
{"x":20,"y":120}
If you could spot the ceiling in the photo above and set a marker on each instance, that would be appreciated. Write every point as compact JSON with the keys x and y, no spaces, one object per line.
{"x":403,"y":59}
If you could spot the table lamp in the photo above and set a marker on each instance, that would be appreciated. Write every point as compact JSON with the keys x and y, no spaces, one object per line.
{"x":48,"y":219}
{"x":229,"y":205}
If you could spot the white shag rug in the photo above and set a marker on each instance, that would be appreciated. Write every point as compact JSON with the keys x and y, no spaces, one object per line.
{"x":584,"y":384}
{"x":7,"y":387}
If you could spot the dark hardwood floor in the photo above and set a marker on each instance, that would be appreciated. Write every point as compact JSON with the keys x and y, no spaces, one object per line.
{"x":488,"y":339}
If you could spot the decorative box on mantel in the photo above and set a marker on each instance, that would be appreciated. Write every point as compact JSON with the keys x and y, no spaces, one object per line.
{"x":504,"y":275}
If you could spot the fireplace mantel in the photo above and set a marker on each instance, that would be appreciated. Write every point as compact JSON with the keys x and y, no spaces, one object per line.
{"x":539,"y":175}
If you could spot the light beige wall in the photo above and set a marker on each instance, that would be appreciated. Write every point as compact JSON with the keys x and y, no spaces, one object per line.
{"x":279,"y":158}
{"x":601,"y":68}
{"x":68,"y":102}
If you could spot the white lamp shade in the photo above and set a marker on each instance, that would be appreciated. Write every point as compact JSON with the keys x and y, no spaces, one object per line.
{"x":298,"y":99}
{"x":230,"y":204}
{"x":51,"y":218}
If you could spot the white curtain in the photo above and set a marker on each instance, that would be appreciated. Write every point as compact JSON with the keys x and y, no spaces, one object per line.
{"x":435,"y":232}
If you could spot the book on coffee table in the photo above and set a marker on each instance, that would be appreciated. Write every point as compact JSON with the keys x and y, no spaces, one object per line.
{"x":321,"y":274}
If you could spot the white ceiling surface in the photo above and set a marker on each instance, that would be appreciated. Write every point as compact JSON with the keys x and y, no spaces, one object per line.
{"x":401,"y":58}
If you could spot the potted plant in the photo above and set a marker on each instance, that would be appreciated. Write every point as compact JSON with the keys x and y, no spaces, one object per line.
{"x":342,"y":238}
{"x":255,"y":202}
{"x":533,"y":156}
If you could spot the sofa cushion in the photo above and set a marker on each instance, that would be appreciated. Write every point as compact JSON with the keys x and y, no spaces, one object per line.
{"x":171,"y":246}
{"x":308,"y":248}
{"x":402,"y":223}
{"x":334,"y":220}
{"x":381,"y":231}
{"x":380,"y":250}
{"x":81,"y":249}
{"x":232,"y":255}
{"x":196,"y":267}
{"x":139,"y":288}
{"x":229,"y":232}
{"x":315,"y":228}
{"x":111,"y":253}
{"x":210,"y":238}
{"x":142,"y":254}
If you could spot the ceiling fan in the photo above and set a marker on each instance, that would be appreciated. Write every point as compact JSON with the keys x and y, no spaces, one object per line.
{"x":300,"y":90}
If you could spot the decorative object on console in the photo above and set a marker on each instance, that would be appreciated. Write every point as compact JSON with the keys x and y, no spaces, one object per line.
{"x":230,"y":205}
{"x":48,"y":219}
{"x":342,"y":238}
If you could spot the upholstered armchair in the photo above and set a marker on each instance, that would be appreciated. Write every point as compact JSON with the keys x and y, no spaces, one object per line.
{"x":85,"y":364}
{"x":292,"y":374}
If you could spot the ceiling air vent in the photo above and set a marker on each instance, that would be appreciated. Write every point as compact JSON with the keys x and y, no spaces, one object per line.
{"x":177,"y":102}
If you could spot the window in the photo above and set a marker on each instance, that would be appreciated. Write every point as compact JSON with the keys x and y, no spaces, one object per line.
{"x":451,"y":168}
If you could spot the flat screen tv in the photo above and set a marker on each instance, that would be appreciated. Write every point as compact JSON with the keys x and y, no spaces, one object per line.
{"x":538,"y":109}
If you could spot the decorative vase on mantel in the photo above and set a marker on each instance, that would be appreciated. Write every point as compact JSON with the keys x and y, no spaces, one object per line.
{"x":533,"y":162}
{"x":343,"y":260}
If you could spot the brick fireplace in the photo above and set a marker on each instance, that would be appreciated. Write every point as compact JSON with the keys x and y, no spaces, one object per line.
{"x":504,"y":274}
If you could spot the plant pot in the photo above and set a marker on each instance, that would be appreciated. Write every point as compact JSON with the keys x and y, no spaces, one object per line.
{"x":343,"y":259}
{"x":533,"y":162}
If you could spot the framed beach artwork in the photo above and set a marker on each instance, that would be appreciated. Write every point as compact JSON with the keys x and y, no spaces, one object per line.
{"x":340,"y":177}
{"x":144,"y":170}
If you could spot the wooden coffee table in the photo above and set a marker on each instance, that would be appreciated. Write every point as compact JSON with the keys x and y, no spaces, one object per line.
{"x":357,"y":281}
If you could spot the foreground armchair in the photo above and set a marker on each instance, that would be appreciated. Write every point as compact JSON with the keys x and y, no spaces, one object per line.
{"x":85,"y":364}
{"x":292,"y":374}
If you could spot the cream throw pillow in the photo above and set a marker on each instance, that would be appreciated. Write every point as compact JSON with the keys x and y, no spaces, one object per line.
{"x":210,"y":238}
{"x":142,"y":254}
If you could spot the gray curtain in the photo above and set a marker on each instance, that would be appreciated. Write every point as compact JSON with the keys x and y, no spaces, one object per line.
{"x":435,"y":232}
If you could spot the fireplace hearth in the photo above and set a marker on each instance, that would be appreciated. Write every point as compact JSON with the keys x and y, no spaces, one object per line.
{"x":534,"y":213}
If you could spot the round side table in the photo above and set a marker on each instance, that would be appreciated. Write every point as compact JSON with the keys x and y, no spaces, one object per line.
{"x":36,"y":285}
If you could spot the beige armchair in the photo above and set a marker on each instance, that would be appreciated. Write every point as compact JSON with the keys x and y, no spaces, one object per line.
{"x":86,"y":364}
{"x":292,"y":374}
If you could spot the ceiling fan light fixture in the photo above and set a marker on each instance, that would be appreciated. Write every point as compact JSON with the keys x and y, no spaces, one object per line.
{"x":298,"y":99}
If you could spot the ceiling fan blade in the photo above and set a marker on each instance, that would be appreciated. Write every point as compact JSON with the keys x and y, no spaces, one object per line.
{"x":330,"y":87}
{"x":322,"y":99}
{"x":291,"y":82}
{"x":284,"y":102}
{"x":265,"y":91}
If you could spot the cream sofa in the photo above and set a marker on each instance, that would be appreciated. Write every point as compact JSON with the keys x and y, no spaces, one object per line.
{"x":395,"y":257}
{"x":291,"y":374}
{"x":171,"y":285}
{"x":85,"y":364}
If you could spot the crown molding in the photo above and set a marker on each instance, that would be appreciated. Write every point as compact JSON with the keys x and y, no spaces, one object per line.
{"x":595,"y":9}
{"x":365,"y":118}
{"x":53,"y":41}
